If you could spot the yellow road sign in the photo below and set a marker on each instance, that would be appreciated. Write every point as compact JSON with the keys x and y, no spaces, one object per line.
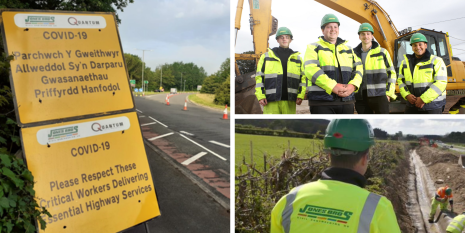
{"x":65,"y":64}
{"x":92,"y":175}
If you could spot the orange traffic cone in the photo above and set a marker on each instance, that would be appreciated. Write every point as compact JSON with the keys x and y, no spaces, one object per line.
{"x":225,"y":113}
{"x":168,"y":102}
{"x":143,"y":93}
{"x":185,"y":105}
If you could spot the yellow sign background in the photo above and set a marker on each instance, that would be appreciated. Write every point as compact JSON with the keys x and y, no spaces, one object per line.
{"x":56,"y":164}
{"x":38,"y":101}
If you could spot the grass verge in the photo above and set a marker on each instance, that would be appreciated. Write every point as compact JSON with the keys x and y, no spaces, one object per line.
{"x":206,"y":100}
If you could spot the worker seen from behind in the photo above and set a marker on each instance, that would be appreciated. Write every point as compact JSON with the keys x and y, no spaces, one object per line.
{"x":334,"y":73}
{"x":457,"y":224}
{"x":441,"y":197}
{"x":338,"y":201}
{"x":280,"y":83}
{"x":379,"y":76}
{"x":422,"y":79}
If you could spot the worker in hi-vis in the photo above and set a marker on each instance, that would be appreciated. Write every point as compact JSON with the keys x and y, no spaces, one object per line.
{"x":280,"y":83}
{"x":334,"y":73}
{"x":441,"y":197}
{"x":338,"y":201}
{"x":422,"y":79}
{"x":379,"y":75}
{"x":457,"y":224}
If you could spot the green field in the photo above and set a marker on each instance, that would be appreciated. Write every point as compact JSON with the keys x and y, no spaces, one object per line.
{"x":274,"y":147}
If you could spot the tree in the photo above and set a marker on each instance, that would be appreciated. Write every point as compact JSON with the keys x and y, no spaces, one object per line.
{"x":380,"y":134}
{"x":222,"y":93}
{"x":209,"y":85}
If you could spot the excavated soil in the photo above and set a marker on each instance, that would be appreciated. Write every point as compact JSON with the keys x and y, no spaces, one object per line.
{"x":443,"y":165}
{"x":396,"y":191}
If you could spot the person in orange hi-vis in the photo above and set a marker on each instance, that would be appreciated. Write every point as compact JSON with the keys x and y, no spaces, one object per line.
{"x":440,"y":198}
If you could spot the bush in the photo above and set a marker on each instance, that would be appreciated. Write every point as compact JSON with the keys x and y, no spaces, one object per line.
{"x":17,"y":204}
{"x":222,"y":93}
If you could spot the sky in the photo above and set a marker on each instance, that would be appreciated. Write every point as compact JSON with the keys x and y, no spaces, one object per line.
{"x":419,"y":126}
{"x":303,"y":18}
{"x":194,"y":31}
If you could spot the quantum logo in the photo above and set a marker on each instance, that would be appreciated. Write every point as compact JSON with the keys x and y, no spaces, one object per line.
{"x":96,"y":127}
{"x":72,"y":21}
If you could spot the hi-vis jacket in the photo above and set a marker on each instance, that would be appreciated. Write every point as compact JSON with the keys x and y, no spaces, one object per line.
{"x":379,"y":72}
{"x":429,"y":80}
{"x":318,"y":206}
{"x":269,"y":77}
{"x":457,"y":224}
{"x":322,"y":69}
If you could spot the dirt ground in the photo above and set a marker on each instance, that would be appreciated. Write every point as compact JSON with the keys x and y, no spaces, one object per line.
{"x":396,"y":192}
{"x":444,"y":165}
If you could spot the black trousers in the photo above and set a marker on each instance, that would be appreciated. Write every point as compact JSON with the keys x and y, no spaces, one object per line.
{"x":332,"y":109}
{"x":373,"y":105}
{"x":415,"y":110}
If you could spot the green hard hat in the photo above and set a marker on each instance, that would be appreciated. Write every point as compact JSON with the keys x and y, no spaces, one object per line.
{"x":417,"y":37}
{"x":283,"y":31}
{"x":365,"y":27}
{"x":329,"y":18}
{"x":448,"y":191}
{"x":349,"y":134}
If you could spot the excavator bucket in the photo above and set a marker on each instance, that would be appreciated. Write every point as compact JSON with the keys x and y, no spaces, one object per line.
{"x":246,"y":101}
{"x":462,"y":161}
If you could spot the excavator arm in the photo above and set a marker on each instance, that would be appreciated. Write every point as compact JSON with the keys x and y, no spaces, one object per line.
{"x":364,"y":11}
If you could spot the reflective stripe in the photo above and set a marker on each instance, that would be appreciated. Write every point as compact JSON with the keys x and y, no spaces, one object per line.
{"x":275,"y":75}
{"x":375,"y":71}
{"x":358,"y":72}
{"x":357,"y":63}
{"x":460,"y":230}
{"x":392,"y":80}
{"x":302,"y":73}
{"x":316,"y":75}
{"x":390,"y":68}
{"x":408,"y":82}
{"x":440,"y":78}
{"x":312,"y":62}
{"x":266,"y":54}
{"x":315,"y":44}
{"x":376,"y":86}
{"x":288,"y":209}
{"x":259,"y":73}
{"x":346,"y":68}
{"x":367,"y":213}
{"x":328,"y":68}
{"x":291,"y":75}
{"x":382,"y":50}
{"x":302,"y":84}
{"x":401,"y":76}
{"x":402,"y":85}
{"x":432,"y":60}
{"x":436,"y":89}
{"x":259,"y":85}
{"x":272,"y":91}
{"x":458,"y":222}
{"x":440,"y":98}
{"x":425,"y":84}
{"x":292,"y":90}
{"x":315,"y":88}
{"x":298,"y":58}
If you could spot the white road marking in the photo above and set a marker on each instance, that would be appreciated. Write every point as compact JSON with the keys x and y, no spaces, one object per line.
{"x":158,"y":122}
{"x":193,"y":158}
{"x":139,"y":110}
{"x":220,"y":144}
{"x":141,"y":116}
{"x":203,"y":147}
{"x":184,"y":132}
{"x":149,"y":124}
{"x":164,"y":135}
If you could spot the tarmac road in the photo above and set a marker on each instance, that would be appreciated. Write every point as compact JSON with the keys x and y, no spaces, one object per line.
{"x":188,"y":152}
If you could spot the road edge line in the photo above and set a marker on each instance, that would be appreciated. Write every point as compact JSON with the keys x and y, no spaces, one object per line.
{"x":188,"y":175}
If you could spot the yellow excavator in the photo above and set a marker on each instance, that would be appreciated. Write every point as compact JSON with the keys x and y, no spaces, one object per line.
{"x":263,"y":25}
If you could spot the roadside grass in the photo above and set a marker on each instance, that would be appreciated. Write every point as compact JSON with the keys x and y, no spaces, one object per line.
{"x":206,"y":100}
